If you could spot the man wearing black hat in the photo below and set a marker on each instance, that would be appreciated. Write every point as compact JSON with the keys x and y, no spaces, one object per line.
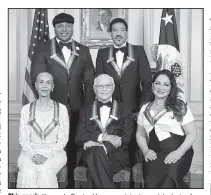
{"x":72,"y":68}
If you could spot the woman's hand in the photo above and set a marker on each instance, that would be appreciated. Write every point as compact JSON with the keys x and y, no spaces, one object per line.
{"x":150,"y":155}
{"x":39,"y":159}
{"x":173,"y":157}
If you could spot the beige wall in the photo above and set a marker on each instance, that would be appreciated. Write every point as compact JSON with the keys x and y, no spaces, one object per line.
{"x":144,"y":27}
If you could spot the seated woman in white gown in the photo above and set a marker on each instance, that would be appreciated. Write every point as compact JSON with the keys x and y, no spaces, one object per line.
{"x":43,"y":134}
{"x":165,"y":134}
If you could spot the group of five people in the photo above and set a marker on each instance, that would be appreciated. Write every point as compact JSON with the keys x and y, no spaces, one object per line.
{"x":92,"y":110}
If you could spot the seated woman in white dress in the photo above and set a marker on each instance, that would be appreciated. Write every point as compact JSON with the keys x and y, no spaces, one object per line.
{"x":165,"y":134}
{"x":43,"y":134}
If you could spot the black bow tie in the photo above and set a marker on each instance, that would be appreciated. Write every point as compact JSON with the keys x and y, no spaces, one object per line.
{"x":122,"y":49}
{"x":62,"y":44}
{"x":100,"y":104}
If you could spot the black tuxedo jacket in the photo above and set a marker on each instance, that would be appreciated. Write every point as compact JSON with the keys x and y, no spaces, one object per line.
{"x":133,"y":80}
{"x":74,"y":79}
{"x":120,"y":123}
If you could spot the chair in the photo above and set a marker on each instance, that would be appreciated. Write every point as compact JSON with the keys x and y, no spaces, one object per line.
{"x":83,"y":180}
{"x":138,"y":176}
{"x":139,"y":180}
{"x":13,"y":174}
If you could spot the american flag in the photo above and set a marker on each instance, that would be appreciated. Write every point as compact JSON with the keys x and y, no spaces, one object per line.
{"x":40,"y":33}
{"x":168,"y":52}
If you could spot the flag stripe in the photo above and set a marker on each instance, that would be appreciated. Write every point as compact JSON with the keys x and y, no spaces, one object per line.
{"x":28,"y":79}
{"x":28,"y":93}
{"x":24,"y":99}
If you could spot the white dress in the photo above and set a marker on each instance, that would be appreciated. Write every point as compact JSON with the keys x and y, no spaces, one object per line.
{"x":44,"y":136}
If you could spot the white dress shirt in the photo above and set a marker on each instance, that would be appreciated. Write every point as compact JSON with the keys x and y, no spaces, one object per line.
{"x":104,"y":116}
{"x":66,"y":52}
{"x":120,"y":56}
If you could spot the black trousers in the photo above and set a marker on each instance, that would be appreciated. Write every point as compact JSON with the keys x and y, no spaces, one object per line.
{"x":100,"y":166}
{"x":71,"y":148}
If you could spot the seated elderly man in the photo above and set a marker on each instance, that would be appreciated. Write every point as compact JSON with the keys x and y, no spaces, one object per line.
{"x":103,"y":134}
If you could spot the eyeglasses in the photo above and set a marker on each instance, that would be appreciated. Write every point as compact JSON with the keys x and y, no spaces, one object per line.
{"x":101,"y":87}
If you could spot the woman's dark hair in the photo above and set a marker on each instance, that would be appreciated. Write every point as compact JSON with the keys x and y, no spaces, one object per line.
{"x":172,"y":103}
{"x":118,"y":20}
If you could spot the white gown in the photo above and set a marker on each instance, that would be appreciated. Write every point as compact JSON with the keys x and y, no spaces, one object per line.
{"x":51,"y":146}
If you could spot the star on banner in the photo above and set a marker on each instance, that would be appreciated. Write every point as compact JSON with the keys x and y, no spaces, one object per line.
{"x":167,"y":19}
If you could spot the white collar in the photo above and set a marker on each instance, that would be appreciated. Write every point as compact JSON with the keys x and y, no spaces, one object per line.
{"x":63,"y":41}
{"x":110,"y":100}
{"x":103,"y":26}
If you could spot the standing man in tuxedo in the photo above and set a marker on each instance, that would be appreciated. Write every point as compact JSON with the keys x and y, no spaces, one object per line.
{"x":103,"y":134}
{"x":72,"y":68}
{"x":129,"y":67}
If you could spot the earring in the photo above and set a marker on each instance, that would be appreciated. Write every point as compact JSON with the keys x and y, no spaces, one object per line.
{"x":52,"y":89}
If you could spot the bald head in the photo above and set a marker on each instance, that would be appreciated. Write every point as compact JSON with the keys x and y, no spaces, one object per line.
{"x":45,"y":75}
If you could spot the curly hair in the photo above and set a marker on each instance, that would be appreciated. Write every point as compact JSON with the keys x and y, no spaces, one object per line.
{"x":173,"y":103}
